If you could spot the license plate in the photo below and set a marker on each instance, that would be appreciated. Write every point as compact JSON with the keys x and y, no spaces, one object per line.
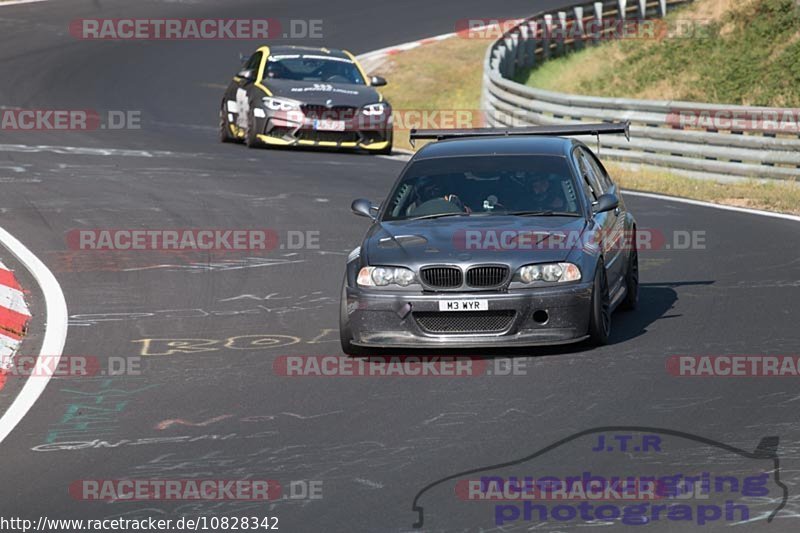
{"x":463,"y":305}
{"x":328,"y":125}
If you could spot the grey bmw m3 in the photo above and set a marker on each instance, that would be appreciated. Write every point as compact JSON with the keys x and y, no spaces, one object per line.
{"x":490,"y":238}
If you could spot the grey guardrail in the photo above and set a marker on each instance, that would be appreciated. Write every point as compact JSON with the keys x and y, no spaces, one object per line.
{"x":742,"y":141}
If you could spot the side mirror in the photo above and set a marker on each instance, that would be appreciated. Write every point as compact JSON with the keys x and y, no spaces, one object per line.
{"x":606,"y":202}
{"x":363,"y":208}
{"x":246,"y":74}
{"x":377,"y":81}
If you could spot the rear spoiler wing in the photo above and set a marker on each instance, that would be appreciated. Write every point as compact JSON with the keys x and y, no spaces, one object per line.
{"x":551,"y":131}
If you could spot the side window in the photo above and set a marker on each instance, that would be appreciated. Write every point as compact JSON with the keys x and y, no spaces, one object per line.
{"x":600,"y":171}
{"x":254,"y":63}
{"x":588,"y":180}
{"x":594,"y":177}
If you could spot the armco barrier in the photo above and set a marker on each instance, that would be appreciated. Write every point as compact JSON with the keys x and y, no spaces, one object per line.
{"x":726,"y":140}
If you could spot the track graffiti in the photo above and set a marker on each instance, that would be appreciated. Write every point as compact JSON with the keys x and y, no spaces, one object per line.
{"x":264,"y":341}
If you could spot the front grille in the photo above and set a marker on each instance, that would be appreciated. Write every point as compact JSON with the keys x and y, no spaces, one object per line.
{"x":461,"y":322}
{"x":338,"y":112}
{"x":487,"y":276}
{"x":442,"y":277}
{"x":327,"y":136}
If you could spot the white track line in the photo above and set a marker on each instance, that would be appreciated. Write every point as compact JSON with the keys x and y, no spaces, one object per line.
{"x":701,"y":203}
{"x":18,"y":2}
{"x":55,"y":333}
{"x":403,"y":47}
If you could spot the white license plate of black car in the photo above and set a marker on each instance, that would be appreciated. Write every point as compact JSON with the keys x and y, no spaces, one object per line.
{"x":463,"y":305}
{"x":329,"y":125}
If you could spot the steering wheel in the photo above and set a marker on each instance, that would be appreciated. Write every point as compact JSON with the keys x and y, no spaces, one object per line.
{"x":456,"y":201}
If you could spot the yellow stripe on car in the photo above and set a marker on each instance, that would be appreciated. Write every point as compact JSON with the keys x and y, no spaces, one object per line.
{"x":273,"y":140}
{"x":375,"y":146}
{"x":261,"y":68}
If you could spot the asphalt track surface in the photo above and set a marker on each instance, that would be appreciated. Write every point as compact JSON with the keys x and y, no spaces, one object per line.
{"x":374,"y":443}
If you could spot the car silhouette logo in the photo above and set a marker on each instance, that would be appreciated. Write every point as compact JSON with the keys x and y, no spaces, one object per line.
{"x":767,"y":449}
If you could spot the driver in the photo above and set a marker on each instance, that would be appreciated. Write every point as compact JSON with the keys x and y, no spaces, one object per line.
{"x":277,"y":70}
{"x":432,"y":190}
{"x":546,"y":195}
{"x":333,"y":69}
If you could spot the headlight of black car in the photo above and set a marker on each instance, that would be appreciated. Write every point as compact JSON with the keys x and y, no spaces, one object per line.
{"x":379,"y":276}
{"x":280,"y":104}
{"x":373,"y":110}
{"x":548,"y":272}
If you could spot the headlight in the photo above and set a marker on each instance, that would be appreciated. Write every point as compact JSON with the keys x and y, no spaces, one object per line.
{"x":550,"y":272}
{"x":280,"y":104}
{"x":383,"y":276}
{"x":374,"y":109}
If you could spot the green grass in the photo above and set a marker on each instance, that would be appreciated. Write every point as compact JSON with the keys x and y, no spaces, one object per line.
{"x":440,"y":76}
{"x":748,"y":54}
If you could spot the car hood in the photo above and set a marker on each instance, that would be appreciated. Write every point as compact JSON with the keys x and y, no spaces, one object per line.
{"x":471,"y":240}
{"x":315,"y":93}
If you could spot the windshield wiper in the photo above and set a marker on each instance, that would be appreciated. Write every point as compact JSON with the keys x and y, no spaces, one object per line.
{"x":549,"y":213}
{"x":439,"y":215}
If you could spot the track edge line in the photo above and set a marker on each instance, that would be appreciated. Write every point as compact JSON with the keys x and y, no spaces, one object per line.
{"x":703,"y":203}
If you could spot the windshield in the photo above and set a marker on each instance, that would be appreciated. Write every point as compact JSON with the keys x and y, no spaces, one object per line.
{"x":304,"y":67}
{"x":484,"y":185}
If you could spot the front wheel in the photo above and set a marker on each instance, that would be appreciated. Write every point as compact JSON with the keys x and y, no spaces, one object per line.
{"x":600,"y":319}
{"x":251,"y":134}
{"x":224,"y":129}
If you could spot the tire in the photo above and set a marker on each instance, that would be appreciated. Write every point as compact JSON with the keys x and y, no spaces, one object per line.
{"x":250,"y":138}
{"x":631,"y":300}
{"x":345,"y":335}
{"x":224,"y":130}
{"x":600,"y":317}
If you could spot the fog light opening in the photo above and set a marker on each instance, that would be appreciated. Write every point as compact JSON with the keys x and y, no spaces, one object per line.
{"x":540,"y":317}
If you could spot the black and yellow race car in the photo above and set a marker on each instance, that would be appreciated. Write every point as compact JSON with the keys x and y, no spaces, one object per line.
{"x":302,"y":96}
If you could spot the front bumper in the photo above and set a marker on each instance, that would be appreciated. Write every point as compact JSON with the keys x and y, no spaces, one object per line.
{"x":298,"y":129}
{"x":385,"y":320}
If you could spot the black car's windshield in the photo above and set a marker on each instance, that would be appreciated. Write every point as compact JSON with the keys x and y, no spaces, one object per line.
{"x":520,"y":185}
{"x":309,"y":67}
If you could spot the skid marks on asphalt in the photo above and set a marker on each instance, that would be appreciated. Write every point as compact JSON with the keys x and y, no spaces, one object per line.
{"x":272,"y":303}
